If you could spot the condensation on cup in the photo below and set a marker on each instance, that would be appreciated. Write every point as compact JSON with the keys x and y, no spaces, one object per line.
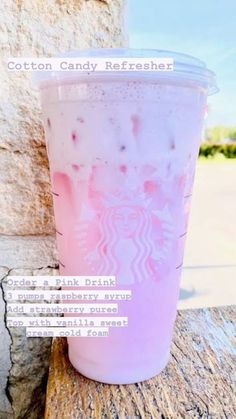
{"x":122,"y":148}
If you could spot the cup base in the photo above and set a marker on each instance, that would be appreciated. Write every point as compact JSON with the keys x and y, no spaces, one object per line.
{"x":132,"y":376}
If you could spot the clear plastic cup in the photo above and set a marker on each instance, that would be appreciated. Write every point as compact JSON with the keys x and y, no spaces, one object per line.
{"x":122,"y":148}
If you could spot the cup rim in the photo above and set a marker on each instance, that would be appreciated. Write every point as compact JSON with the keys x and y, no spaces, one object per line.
{"x":186,"y":68}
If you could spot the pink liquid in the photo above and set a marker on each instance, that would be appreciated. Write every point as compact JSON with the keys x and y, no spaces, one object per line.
{"x":122,"y":160}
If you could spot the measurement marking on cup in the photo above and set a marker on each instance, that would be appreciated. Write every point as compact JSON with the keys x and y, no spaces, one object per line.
{"x":182,"y":235}
{"x":180,"y":266}
{"x":188,"y":196}
{"x":58,"y":232}
{"x":60,"y":263}
{"x":56,"y":194}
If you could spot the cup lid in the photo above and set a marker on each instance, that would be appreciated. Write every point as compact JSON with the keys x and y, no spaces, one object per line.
{"x":185,"y":68}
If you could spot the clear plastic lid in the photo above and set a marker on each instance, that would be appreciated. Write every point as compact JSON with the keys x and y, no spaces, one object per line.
{"x":185,"y":68}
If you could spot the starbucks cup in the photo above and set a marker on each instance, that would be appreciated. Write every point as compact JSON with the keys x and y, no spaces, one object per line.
{"x":122,"y":148}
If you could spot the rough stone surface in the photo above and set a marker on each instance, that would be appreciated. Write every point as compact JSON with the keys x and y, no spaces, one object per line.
{"x":198,"y":382}
{"x":27,"y":376}
{"x":39,"y":29}
{"x":28,"y":252}
{"x":23,"y":361}
{"x":5,"y":361}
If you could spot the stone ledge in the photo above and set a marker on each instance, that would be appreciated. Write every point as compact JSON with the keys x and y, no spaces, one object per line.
{"x":197,"y":382}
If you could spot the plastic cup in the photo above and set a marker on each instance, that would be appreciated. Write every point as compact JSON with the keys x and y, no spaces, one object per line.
{"x":122,"y":148}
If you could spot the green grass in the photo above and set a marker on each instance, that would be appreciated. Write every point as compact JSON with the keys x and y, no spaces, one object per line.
{"x":218,"y":158}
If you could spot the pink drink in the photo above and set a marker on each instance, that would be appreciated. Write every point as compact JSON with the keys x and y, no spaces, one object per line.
{"x":122,"y":154}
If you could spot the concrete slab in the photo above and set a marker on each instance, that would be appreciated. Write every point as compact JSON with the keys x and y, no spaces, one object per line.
{"x":209,"y":274}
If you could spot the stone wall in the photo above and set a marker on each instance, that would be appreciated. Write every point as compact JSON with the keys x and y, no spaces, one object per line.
{"x":27,"y":243}
{"x":39,"y":28}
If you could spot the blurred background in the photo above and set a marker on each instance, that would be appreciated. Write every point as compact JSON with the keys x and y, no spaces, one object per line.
{"x":206,"y":30}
